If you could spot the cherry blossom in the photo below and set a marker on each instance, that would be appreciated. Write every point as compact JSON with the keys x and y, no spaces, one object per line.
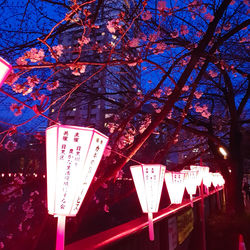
{"x":184,"y":30}
{"x":168,"y":91}
{"x":158,"y":93}
{"x":145,"y":124}
{"x":134,"y":42}
{"x":198,"y":94}
{"x":78,"y":70}
{"x":83,"y":40}
{"x":146,"y":15}
{"x":209,"y":17}
{"x":160,"y":48}
{"x":32,"y":81}
{"x":174,"y":34}
{"x":16,"y":108}
{"x":206,"y":114}
{"x":35,"y":55}
{"x":58,"y":49}
{"x":161,"y":6}
{"x":53,"y":85}
{"x":21,"y":61}
{"x":10,"y":145}
{"x":113,"y":25}
{"x":185,"y":88}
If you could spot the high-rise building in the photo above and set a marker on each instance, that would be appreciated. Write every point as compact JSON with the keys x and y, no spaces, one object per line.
{"x":102,"y":90}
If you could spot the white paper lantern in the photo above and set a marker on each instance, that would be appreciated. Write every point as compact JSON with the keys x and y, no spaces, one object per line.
{"x":73,"y":155}
{"x":148,"y":180}
{"x":175,"y":185}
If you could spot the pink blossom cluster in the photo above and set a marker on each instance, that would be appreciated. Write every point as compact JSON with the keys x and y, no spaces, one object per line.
{"x":22,"y":88}
{"x":35,"y":55}
{"x":168,"y":91}
{"x":58,"y":50}
{"x":113,"y":25}
{"x":146,"y":15}
{"x":144,"y":124}
{"x":212,"y":73}
{"x":203,"y":110}
{"x":134,"y":42}
{"x":32,"y":81}
{"x":198,"y":94}
{"x":160,"y":48}
{"x":53,"y":85}
{"x":184,"y":30}
{"x":158,"y":93}
{"x":10,"y":145}
{"x":78,"y":70}
{"x":83,"y":40}
{"x":16,"y":108}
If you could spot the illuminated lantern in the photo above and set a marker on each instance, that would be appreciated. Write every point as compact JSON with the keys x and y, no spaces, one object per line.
{"x":175,"y":186}
{"x":5,"y":69}
{"x":73,"y":155}
{"x":207,"y":181}
{"x":190,"y":182}
{"x":202,"y":172}
{"x":148,"y":180}
{"x":217,"y":179}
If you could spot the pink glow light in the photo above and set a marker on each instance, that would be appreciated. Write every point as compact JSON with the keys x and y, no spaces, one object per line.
{"x":175,"y":186}
{"x":73,"y":155}
{"x":5,"y":69}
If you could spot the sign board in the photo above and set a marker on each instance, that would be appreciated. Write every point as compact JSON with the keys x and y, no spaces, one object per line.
{"x":185,"y":225}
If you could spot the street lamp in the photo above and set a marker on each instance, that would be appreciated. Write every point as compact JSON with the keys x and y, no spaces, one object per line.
{"x":73,"y":155}
{"x":148,"y":180}
{"x":5,"y":69}
{"x":223,"y":152}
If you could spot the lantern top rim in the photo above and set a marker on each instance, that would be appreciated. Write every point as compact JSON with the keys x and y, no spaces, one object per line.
{"x":141,"y":165}
{"x":77,"y":127}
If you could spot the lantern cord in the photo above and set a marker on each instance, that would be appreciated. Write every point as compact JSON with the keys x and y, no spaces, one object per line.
{"x":126,"y":157}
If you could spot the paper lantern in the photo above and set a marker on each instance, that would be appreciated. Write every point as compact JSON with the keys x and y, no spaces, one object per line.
{"x":175,"y":186}
{"x":202,"y":170}
{"x":217,"y":179}
{"x":207,"y":181}
{"x":191,"y":177}
{"x":5,"y":69}
{"x":73,"y":155}
{"x":148,"y":180}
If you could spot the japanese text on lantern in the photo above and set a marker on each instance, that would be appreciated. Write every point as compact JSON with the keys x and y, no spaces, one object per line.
{"x":92,"y":163}
{"x":70,"y":152}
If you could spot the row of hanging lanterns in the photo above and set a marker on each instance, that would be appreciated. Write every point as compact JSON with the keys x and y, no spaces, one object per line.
{"x":149,"y":178}
{"x":73,"y":155}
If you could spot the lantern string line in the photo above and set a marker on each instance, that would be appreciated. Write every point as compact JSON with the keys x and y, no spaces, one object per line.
{"x":126,"y":157}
